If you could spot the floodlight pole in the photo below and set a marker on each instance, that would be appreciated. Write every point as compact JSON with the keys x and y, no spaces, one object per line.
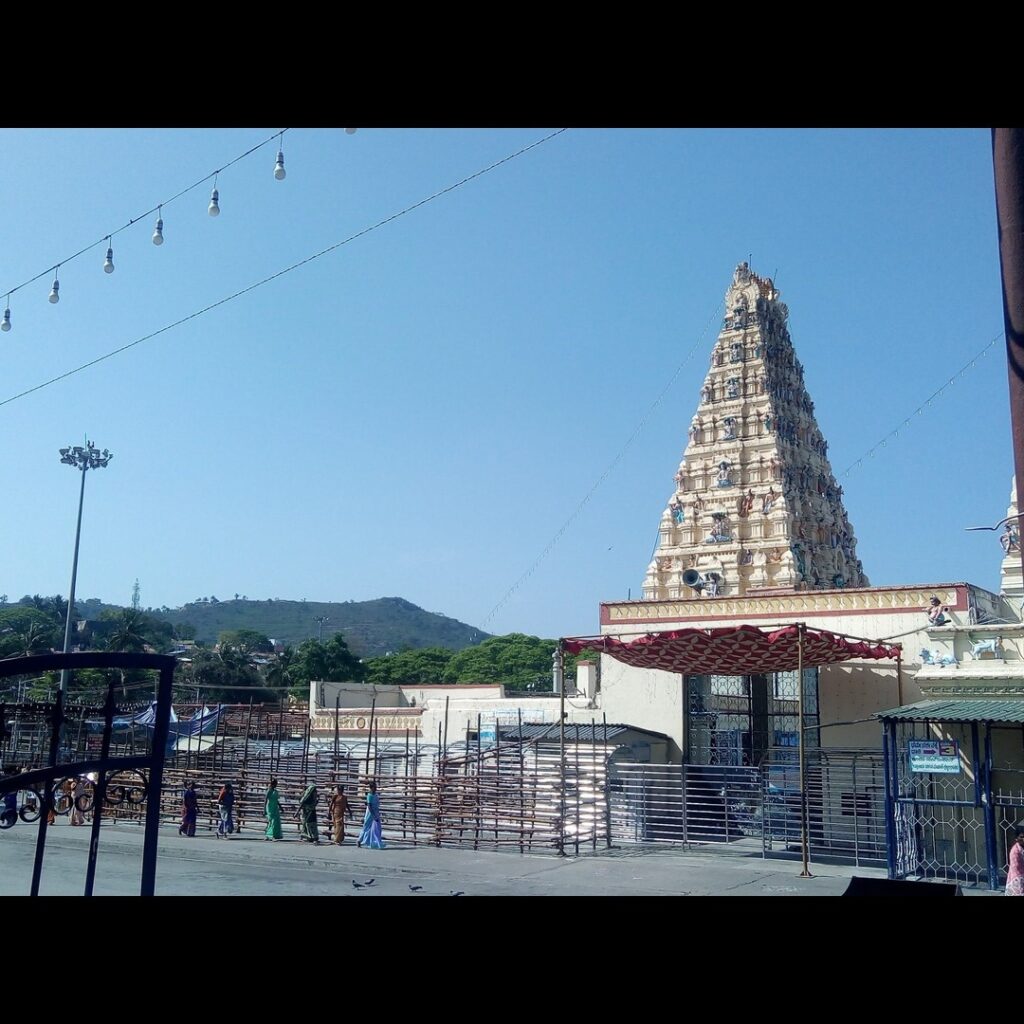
{"x":83,"y":459}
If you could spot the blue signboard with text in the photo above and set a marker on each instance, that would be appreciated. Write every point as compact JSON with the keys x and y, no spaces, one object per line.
{"x":935,"y":757}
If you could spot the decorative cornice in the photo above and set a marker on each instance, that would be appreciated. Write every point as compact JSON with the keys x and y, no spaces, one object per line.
{"x":783,"y":607}
{"x":975,"y":692}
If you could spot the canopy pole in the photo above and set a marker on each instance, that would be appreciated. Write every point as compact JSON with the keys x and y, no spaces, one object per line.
{"x":899,"y":680}
{"x":560,"y":683}
{"x":801,"y":626}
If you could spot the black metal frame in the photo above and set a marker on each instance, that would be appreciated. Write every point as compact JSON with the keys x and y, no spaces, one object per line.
{"x":42,"y":780}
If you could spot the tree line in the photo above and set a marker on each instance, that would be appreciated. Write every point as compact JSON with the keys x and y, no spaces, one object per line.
{"x":244,"y":664}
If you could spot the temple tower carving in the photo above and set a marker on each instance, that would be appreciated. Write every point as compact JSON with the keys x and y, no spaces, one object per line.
{"x":755,"y":506}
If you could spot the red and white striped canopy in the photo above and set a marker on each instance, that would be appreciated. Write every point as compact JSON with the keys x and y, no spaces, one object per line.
{"x":734,"y":650}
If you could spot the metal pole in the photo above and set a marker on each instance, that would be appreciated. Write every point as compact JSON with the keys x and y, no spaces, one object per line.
{"x":99,"y":791}
{"x":216,"y":736}
{"x":988,"y":806}
{"x":1008,"y":165}
{"x":805,"y":873}
{"x":74,"y":577}
{"x":337,"y":710}
{"x":46,"y":798}
{"x":280,"y":732}
{"x":889,"y":767}
{"x":522,"y":780}
{"x":560,"y":683}
{"x":498,"y":798}
{"x":479,"y":797}
{"x":415,"y":784}
{"x":899,"y":682}
{"x":156,"y":779}
{"x":369,"y":736}
{"x":607,"y":785}
{"x":593,"y":759}
{"x":444,"y":754}
{"x":245,"y":748}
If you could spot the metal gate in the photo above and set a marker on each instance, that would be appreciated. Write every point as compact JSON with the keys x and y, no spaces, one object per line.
{"x":956,"y":825}
{"x":89,"y":768}
{"x":755,"y":810}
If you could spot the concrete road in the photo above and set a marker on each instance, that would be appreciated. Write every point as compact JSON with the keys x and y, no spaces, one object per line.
{"x":245,"y":865}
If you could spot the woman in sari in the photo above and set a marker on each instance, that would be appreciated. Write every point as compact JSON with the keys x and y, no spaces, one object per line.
{"x":337,"y":810}
{"x":76,"y":792}
{"x":272,"y":810}
{"x":370,"y":835}
{"x":1015,"y":874}
{"x":189,"y":811}
{"x":307,"y":814}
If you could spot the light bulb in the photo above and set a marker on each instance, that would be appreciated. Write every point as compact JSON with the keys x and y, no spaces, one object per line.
{"x":55,"y":292}
{"x":5,"y":325}
{"x":214,"y":209}
{"x":158,"y":232}
{"x":108,"y":263}
{"x":279,"y":171}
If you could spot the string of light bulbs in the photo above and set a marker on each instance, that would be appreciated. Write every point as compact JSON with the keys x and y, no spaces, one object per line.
{"x":286,"y":270}
{"x":604,"y":476}
{"x":158,"y":231}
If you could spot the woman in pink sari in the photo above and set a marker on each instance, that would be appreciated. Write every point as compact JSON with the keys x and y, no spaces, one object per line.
{"x":1015,"y":874}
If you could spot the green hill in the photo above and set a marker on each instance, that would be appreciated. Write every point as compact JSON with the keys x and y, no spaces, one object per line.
{"x":371,"y":628}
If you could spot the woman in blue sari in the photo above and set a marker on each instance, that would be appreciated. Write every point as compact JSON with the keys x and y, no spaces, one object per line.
{"x":370,"y":835}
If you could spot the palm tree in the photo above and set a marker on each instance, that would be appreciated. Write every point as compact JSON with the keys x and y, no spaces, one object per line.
{"x":278,"y":671}
{"x":127,"y":636}
{"x":32,"y":640}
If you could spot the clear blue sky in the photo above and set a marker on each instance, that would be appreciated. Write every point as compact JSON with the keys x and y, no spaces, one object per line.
{"x":418,"y":413}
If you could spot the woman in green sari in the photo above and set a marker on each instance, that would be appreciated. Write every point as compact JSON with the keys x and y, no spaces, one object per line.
{"x":272,"y":810}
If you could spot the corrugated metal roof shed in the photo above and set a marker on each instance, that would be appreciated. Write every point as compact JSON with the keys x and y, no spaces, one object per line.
{"x":1005,"y":711}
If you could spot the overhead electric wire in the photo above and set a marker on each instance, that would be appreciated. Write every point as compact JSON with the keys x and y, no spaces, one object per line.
{"x":920,"y":409}
{"x":601,"y":479}
{"x":868,"y":454}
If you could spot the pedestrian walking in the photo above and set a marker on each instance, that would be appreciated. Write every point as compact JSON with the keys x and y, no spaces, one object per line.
{"x":371,"y":834}
{"x":272,"y":810}
{"x":225,"y":803}
{"x":338,"y":810}
{"x":307,"y":814}
{"x":189,"y":811}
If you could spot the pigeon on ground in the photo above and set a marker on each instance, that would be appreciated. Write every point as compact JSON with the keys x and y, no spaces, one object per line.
{"x":415,"y":888}
{"x":356,"y":885}
{"x":370,"y":881}
{"x":454,"y":893}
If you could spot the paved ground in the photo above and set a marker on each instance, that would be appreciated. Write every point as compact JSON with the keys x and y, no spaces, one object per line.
{"x":245,"y":865}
